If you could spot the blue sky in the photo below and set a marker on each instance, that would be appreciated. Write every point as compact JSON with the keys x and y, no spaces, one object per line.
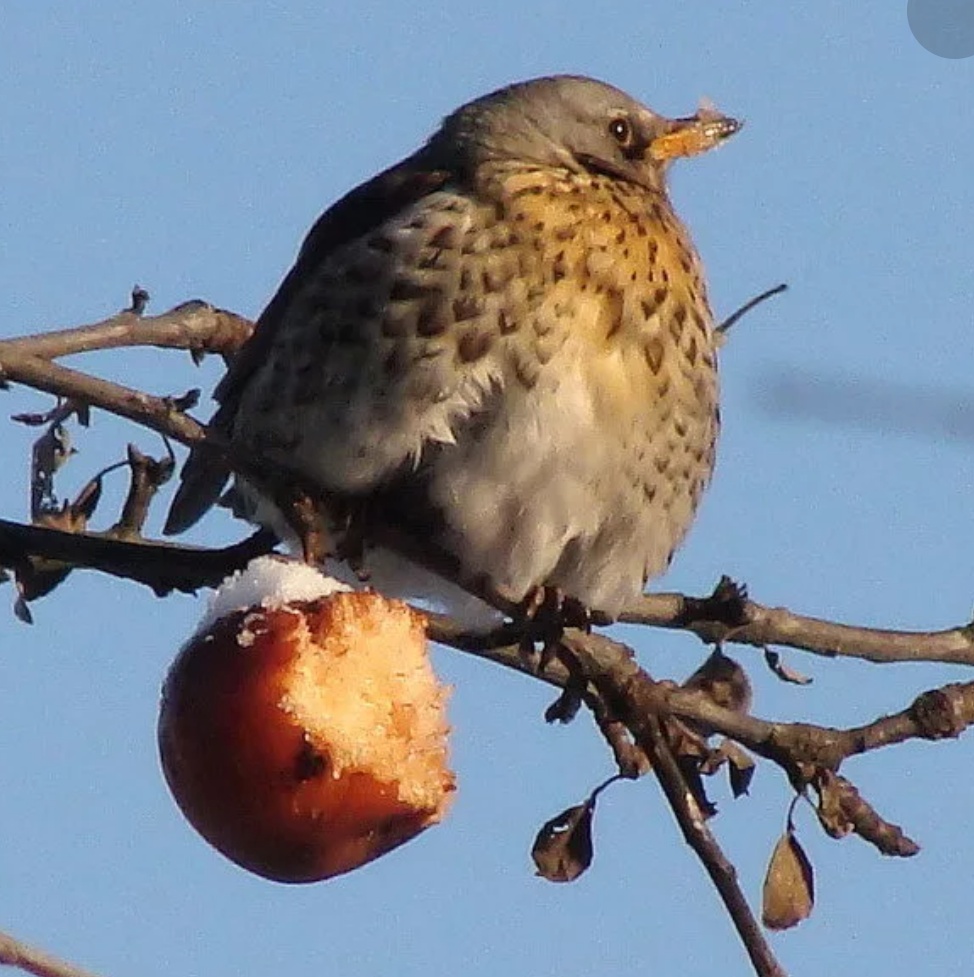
{"x":187,"y":147}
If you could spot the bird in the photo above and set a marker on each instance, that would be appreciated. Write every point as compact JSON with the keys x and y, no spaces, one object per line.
{"x":501,"y":346}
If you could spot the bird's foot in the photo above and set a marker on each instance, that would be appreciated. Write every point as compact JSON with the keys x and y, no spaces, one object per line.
{"x":305,"y":516}
{"x":350,"y":538}
{"x":546,"y":612}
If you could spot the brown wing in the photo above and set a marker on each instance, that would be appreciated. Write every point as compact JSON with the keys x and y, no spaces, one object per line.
{"x":366,"y":207}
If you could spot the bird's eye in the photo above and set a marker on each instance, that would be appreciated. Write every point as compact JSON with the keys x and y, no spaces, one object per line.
{"x":620,"y":129}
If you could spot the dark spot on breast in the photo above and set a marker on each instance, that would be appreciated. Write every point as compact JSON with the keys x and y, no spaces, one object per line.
{"x":432,"y":319}
{"x":654,"y":351}
{"x":474,"y":345}
{"x":530,"y":191}
{"x":559,"y":267}
{"x":446,"y":237}
{"x":565,"y":233}
{"x":467,"y":307}
{"x":659,"y":296}
{"x":691,"y":350}
{"x":614,"y":303}
{"x":675,"y":327}
{"x":430,"y":258}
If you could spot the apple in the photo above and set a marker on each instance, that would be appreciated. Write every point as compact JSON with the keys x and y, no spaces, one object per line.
{"x":305,"y":734}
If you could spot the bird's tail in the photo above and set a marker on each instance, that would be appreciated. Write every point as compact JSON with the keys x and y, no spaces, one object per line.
{"x":201,"y":482}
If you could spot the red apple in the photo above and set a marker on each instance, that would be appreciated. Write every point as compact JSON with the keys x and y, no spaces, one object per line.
{"x":306,"y":739}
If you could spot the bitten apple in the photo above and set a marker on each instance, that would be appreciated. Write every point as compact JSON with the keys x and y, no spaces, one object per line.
{"x":304,"y":733}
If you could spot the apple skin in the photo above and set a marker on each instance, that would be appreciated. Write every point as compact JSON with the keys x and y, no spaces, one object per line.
{"x":265,"y":781}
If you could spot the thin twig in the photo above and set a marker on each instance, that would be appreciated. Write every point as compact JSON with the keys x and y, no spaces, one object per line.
{"x":14,"y":953}
{"x":651,"y":737}
{"x":760,"y":626}
{"x":192,"y":325}
{"x":155,"y":413}
{"x":725,"y":326}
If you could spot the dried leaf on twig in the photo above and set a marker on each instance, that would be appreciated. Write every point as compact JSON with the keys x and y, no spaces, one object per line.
{"x":789,"y":886}
{"x":783,"y":671}
{"x":723,"y":681}
{"x":740,"y":765}
{"x":563,"y":848}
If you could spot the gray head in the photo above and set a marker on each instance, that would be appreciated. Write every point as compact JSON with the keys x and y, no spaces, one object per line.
{"x":577,"y":123}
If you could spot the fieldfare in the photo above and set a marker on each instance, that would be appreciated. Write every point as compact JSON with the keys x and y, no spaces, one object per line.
{"x":501,"y":347}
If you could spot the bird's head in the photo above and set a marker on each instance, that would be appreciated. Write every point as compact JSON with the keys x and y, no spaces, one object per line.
{"x":579,"y":124}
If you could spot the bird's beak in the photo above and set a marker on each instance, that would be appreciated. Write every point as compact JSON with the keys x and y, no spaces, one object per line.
{"x":694,"y":135}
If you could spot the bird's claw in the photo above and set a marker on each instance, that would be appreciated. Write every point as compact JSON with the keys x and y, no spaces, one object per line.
{"x":546,"y":613}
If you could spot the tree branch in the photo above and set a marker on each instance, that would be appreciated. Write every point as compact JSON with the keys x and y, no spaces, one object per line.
{"x":14,"y":953}
{"x":194,"y":325}
{"x":759,"y":625}
{"x":164,"y":567}
{"x":155,"y":413}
